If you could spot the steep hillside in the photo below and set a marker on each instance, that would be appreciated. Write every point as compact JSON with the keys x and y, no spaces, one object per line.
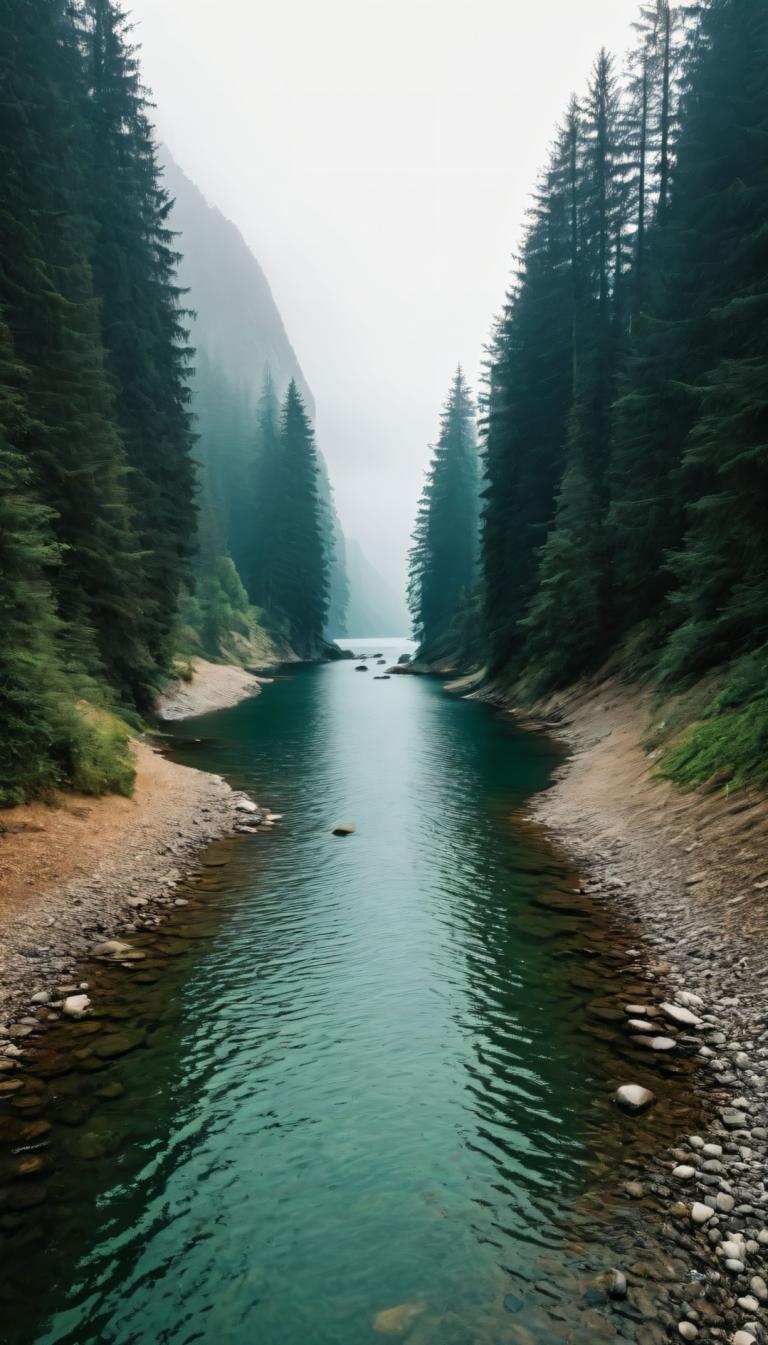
{"x":237,"y":320}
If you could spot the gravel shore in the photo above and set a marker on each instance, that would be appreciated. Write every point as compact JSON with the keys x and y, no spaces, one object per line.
{"x":78,"y":869}
{"x":688,"y":872}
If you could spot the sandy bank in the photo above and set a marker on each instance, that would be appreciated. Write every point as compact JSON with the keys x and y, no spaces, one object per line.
{"x":694,"y":865}
{"x":71,"y":871}
{"x":690,"y":873}
{"x":212,"y":686}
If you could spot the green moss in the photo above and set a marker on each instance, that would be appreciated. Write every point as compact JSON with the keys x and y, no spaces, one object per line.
{"x":729,"y":746}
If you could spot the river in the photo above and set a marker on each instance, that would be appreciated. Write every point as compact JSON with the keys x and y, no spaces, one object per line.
{"x":371,"y":1089}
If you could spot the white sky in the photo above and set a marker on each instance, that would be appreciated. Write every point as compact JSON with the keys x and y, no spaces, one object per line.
{"x":378,"y":156}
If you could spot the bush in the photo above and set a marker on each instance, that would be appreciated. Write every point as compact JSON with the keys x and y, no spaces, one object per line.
{"x":99,"y":754}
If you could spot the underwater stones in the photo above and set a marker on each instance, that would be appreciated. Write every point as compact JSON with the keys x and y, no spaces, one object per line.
{"x":76,"y":1006}
{"x":633,"y":1099}
{"x":361,"y":667}
{"x":115,"y":1044}
{"x":344,"y":829}
{"x":113,"y":948}
{"x":513,"y":1304}
{"x":394,"y":1321}
{"x":617,"y":1284}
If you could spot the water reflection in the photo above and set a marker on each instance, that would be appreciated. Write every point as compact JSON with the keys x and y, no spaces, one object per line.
{"x":372,"y":1074}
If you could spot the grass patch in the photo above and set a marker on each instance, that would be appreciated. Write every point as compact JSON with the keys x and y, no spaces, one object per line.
{"x":728,"y":747}
{"x":100,"y":760}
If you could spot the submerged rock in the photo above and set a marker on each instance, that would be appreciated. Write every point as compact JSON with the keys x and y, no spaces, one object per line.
{"x":633,"y":1099}
{"x":394,"y":1321}
{"x":344,"y":829}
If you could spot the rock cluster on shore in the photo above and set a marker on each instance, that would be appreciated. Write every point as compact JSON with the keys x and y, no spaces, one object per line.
{"x":710,"y":1191}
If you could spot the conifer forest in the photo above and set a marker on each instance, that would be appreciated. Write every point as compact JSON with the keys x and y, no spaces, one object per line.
{"x":383,"y":672}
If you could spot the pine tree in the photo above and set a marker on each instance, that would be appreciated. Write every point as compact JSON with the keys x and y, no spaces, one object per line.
{"x":299,"y":582}
{"x":444,"y":557}
{"x":530,"y":388}
{"x":29,"y":654}
{"x":265,"y":540}
{"x":70,"y":441}
{"x":573,"y":571}
{"x":143,"y":322}
{"x":717,"y":224}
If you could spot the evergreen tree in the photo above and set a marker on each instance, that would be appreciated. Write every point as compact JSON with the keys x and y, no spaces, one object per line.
{"x":569,"y":588}
{"x":530,"y":388}
{"x":134,"y":266}
{"x":299,"y":578}
{"x":717,"y":223}
{"x":443,"y":560}
{"x":28,"y":649}
{"x":69,"y":441}
{"x":265,"y":544}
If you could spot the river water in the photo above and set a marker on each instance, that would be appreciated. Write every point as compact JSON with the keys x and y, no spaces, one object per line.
{"x":369,"y":1089}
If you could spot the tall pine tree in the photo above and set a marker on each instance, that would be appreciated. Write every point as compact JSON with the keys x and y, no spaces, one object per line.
{"x":444,"y":557}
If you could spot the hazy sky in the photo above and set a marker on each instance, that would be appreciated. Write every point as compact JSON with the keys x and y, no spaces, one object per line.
{"x":378,"y":156}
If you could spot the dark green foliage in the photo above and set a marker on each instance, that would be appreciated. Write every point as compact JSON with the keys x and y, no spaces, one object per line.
{"x":291,"y":584}
{"x":649,"y":458}
{"x":134,"y":265}
{"x":443,"y":560}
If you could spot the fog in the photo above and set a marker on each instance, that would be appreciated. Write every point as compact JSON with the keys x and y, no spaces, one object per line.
{"x":378,"y":156}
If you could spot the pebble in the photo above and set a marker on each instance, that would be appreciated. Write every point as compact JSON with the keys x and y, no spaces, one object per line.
{"x":633,"y":1098}
{"x":687,"y":1330}
{"x":759,"y":1287}
{"x":76,"y":1006}
{"x":723,"y":1202}
{"x":683,"y":1172}
{"x":683,"y":1017}
{"x":700,"y":1213}
{"x":742,"y":1338}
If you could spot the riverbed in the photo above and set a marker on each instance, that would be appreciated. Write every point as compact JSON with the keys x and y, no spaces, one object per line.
{"x":356,"y":1086}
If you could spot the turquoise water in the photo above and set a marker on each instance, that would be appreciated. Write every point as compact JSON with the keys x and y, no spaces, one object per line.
{"x":369,"y":1073}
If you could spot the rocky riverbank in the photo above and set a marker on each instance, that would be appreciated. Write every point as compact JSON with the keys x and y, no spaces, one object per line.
{"x":690,"y":873}
{"x":75,"y":870}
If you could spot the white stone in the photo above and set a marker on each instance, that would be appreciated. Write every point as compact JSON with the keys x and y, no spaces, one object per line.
{"x":735,"y":1267}
{"x":683,"y":1172}
{"x":76,"y":1006}
{"x":112,"y":948}
{"x":683,"y":1017}
{"x":633,"y":1098}
{"x":748,"y":1303}
{"x":759,"y":1287}
{"x":742,"y":1338}
{"x":687,"y":1330}
{"x":701,"y":1214}
{"x":689,"y":1000}
{"x":733,"y":1248}
{"x":724,"y":1203}
{"x":712,"y":1150}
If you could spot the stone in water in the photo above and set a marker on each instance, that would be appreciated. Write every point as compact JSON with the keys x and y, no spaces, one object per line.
{"x":634,"y":1099}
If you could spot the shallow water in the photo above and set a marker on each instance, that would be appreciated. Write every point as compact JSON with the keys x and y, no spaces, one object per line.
{"x":366,"y":1073}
